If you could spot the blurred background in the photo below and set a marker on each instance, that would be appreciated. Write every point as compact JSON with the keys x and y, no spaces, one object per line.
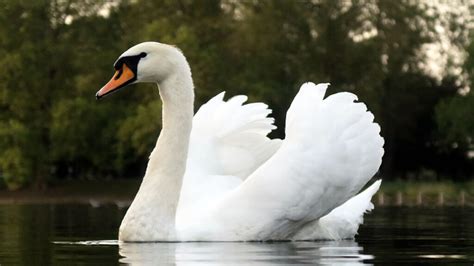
{"x":411,"y":62}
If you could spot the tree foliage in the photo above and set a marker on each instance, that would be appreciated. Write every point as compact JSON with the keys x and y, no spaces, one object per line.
{"x":55,"y":54}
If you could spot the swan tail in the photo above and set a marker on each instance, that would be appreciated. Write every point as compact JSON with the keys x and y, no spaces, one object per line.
{"x":343,"y":222}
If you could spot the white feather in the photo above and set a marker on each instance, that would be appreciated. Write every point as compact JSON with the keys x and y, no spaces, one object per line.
{"x":342,"y":222}
{"x":218,"y":177}
{"x":332,"y":148}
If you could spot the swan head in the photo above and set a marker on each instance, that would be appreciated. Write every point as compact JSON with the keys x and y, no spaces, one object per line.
{"x":144,"y":62}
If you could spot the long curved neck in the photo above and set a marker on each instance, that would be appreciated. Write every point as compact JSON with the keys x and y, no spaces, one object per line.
{"x":168,"y":159}
{"x":154,"y":207}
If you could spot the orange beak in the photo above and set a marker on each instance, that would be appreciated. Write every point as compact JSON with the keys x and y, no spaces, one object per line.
{"x":121,"y":78}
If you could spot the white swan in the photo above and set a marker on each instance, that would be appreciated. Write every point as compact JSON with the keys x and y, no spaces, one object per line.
{"x":218,"y":177}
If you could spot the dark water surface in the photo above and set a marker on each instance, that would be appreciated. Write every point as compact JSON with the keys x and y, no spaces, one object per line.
{"x":85,"y":235}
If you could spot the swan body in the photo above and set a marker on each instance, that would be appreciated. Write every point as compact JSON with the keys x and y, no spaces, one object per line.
{"x":216,"y":176}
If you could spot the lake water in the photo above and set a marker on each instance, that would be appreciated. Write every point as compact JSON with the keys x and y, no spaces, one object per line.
{"x":85,"y":235}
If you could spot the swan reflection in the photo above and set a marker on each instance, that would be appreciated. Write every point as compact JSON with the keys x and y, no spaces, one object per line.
{"x":255,"y":253}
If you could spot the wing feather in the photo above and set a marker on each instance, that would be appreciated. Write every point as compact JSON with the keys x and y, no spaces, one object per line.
{"x":233,"y":136}
{"x":228,"y":142}
{"x":332,"y":148}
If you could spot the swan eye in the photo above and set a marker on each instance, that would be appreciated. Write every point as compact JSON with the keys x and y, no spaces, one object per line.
{"x":131,"y":61}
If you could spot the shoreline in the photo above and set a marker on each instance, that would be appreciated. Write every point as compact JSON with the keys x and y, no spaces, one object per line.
{"x":118,"y":192}
{"x":122,"y":191}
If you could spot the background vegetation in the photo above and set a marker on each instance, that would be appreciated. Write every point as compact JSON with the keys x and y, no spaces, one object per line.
{"x":411,"y":62}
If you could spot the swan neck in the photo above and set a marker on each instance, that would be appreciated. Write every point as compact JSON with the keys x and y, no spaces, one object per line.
{"x":177,"y":105}
{"x":155,"y":204}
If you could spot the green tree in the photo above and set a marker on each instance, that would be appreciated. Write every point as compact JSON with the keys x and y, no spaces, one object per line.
{"x":26,"y":76}
{"x":56,"y":54}
{"x":455,"y":124}
{"x":44,"y":66}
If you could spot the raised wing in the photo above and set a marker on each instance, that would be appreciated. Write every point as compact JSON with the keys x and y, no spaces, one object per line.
{"x":233,"y":136}
{"x":332,"y":148}
{"x":228,"y":142}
